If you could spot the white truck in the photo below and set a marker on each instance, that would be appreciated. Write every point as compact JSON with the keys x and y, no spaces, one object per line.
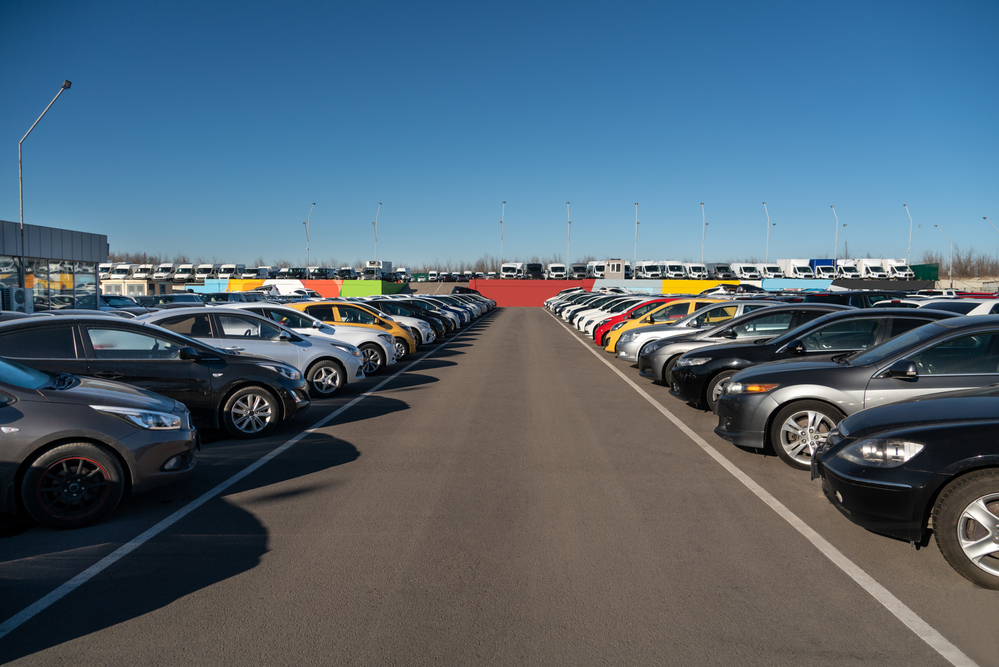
{"x":104,"y":270}
{"x":795,"y":268}
{"x":746,"y":271}
{"x":555,"y":272}
{"x":404,"y":274}
{"x":825,"y":271}
{"x":512,"y":270}
{"x":164,"y":271}
{"x":897,"y":269}
{"x":595,"y":269}
{"x":696,"y":271}
{"x":872,"y":269}
{"x":769,"y":271}
{"x":672,"y":269}
{"x":431,"y":276}
{"x":227,"y":271}
{"x":385,"y":266}
{"x":206,"y":271}
{"x":122,"y":271}
{"x":184,"y":273}
{"x":143,"y":272}
{"x":846,"y":269}
{"x":648,"y":269}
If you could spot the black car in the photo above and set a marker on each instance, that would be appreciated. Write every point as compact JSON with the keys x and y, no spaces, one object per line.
{"x":700,"y":376}
{"x":856,"y":298}
{"x":899,"y":469}
{"x":72,"y":447}
{"x":247,"y":395}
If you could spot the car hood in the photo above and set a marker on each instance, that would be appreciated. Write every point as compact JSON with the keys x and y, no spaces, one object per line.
{"x":784,"y":367}
{"x":969,"y":405}
{"x":91,"y":391}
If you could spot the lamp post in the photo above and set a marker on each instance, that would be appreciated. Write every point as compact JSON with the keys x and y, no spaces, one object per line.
{"x":835,"y":233}
{"x":950,"y":265}
{"x":307,"y":224}
{"x":836,"y":249}
{"x":568,"y":238}
{"x":20,"y":185}
{"x":502,"y":216}
{"x":635,"y":265}
{"x":375,"y":224}
{"x":908,"y":250}
{"x":770,"y":230}
{"x":704,"y":230}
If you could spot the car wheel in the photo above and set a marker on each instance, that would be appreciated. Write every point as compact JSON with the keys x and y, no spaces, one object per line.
{"x":251,"y":412}
{"x":72,"y":486}
{"x":668,"y":368}
{"x":400,"y":349}
{"x":604,"y":339}
{"x":965,"y":520}
{"x":374,"y":359}
{"x":325,"y":377}
{"x":800,"y":428}
{"x":715,"y":388}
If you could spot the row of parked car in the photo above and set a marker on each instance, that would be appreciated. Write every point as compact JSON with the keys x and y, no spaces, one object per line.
{"x":96,"y":406}
{"x":893,"y":408}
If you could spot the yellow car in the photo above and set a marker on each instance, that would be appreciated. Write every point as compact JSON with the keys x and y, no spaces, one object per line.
{"x":668,"y":312}
{"x":359,"y":315}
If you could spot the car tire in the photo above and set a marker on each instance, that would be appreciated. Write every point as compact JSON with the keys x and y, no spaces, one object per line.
{"x":72,"y":485}
{"x":374,"y":359}
{"x":715,"y":387}
{"x":326,"y":377}
{"x":959,"y":518}
{"x":401,"y":350}
{"x":251,"y":412}
{"x":668,"y":368}
{"x":799,"y":428}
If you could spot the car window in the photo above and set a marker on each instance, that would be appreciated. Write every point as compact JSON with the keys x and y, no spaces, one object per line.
{"x":324,"y":313}
{"x":770,"y":324}
{"x":808,"y":315}
{"x":196,"y":326}
{"x":352,"y":315}
{"x":955,"y":306}
{"x":39,"y":343}
{"x":672,"y":312}
{"x":289,"y":318}
{"x":995,"y":310}
{"x":843,"y":335}
{"x":234,"y":326}
{"x":118,"y":344}
{"x":900,"y":325}
{"x":973,"y":354}
{"x":643,"y":309}
{"x":715,"y":316}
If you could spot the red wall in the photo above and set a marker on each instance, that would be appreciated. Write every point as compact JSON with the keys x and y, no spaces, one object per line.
{"x":525,"y":292}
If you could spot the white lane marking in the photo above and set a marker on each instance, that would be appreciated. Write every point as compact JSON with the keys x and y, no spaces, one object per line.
{"x":921,"y":628}
{"x":65,"y":589}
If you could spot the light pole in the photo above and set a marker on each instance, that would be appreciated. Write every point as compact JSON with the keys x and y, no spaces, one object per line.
{"x":836,"y":234}
{"x":20,"y":185}
{"x":502,"y":217}
{"x":307,"y":223}
{"x":635,"y":265}
{"x":836,"y":249}
{"x":770,"y":230}
{"x":375,"y":224}
{"x":704,"y":230}
{"x":950,"y":265}
{"x":568,"y":238}
{"x":908,"y":250}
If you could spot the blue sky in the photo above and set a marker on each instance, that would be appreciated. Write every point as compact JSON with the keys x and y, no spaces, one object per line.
{"x":209,"y":129}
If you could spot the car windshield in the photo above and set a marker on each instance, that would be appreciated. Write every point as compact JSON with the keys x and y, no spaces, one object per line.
{"x":119,"y":301}
{"x":879,"y":353}
{"x":15,"y":374}
{"x":955,"y":306}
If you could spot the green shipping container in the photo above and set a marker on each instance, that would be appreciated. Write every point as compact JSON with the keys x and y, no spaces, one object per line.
{"x":926,"y":271}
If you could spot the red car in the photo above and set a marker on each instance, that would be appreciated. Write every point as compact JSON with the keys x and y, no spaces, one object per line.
{"x":600,"y":333}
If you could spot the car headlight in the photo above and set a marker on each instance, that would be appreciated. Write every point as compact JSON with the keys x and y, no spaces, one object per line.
{"x":627,"y":338}
{"x":287,"y":372}
{"x":350,"y":349}
{"x":387,"y":338}
{"x":154,"y":421}
{"x":692,"y":361}
{"x":652,"y":347}
{"x":617,"y":326}
{"x":880,"y":452}
{"x":749,"y":388}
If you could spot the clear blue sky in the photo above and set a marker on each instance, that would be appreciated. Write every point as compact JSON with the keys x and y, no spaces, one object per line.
{"x":209,"y":129}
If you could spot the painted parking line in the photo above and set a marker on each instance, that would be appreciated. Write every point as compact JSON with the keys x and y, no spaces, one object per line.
{"x":921,"y":628}
{"x":65,"y":589}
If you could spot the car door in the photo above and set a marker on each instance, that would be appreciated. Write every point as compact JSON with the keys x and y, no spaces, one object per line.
{"x":145,"y":359}
{"x":836,"y":337}
{"x":761,"y":325}
{"x":237,"y":332}
{"x":964,"y":361}
{"x":53,"y":349}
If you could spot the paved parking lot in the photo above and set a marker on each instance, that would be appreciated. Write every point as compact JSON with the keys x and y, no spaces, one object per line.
{"x":507,"y":499}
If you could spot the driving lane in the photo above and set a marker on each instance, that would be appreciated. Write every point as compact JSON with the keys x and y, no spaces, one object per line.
{"x":507,"y":500}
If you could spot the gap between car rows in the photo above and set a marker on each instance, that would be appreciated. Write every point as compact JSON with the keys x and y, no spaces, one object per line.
{"x":902,"y":612}
{"x":75,"y":582}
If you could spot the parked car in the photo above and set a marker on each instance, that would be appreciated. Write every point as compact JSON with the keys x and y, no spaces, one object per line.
{"x":855,"y":298}
{"x":358,"y":315}
{"x":929,"y":464}
{"x":700,"y":377}
{"x":602,"y":331}
{"x":963,"y":306}
{"x":793,"y":406}
{"x":173,"y":300}
{"x":327,"y":365}
{"x":246,"y":395}
{"x":421,"y":328}
{"x":668,"y":312}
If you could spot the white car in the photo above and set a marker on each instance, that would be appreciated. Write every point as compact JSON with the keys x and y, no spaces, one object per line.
{"x":378,"y":349}
{"x":964,"y":306}
{"x":326,"y":365}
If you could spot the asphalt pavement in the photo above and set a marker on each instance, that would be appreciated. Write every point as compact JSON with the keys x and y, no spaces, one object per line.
{"x":507,"y":498}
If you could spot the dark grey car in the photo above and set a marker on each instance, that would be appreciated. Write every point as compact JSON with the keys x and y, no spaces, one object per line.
{"x":71,"y":447}
{"x":792,"y":405}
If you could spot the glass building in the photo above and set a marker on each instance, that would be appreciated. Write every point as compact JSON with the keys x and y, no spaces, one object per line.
{"x":59,"y":265}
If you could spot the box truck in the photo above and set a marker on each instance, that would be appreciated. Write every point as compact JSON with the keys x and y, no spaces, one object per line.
{"x":512,"y":270}
{"x":897,"y":269}
{"x":795,"y":268}
{"x":822,"y":268}
{"x":871,"y":269}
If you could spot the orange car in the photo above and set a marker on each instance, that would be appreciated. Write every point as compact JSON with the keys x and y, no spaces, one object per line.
{"x":668,"y":312}
{"x":360,"y":315}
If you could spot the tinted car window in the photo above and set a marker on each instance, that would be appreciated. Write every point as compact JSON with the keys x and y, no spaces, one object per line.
{"x":352,"y":315}
{"x":764,"y":325}
{"x":47,"y":342}
{"x":196,"y":326}
{"x":955,"y":306}
{"x":288,"y":318}
{"x":900,"y":325}
{"x":672,"y":312}
{"x":843,"y":335}
{"x":967,"y":355}
{"x":117,"y":344}
{"x":324,"y":313}
{"x":234,"y":326}
{"x":715,"y":316}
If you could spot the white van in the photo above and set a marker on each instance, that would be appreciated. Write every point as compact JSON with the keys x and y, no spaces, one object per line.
{"x":432,"y":276}
{"x":123,"y":271}
{"x":206,"y":271}
{"x":227,"y":271}
{"x":512,"y":270}
{"x":143,"y":272}
{"x":695,"y":271}
{"x":164,"y":271}
{"x":104,"y":270}
{"x":648,"y":269}
{"x":672,"y":269}
{"x":184,"y":273}
{"x":555,"y":272}
{"x":746,"y":271}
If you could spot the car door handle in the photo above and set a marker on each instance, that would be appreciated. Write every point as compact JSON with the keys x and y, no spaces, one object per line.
{"x":233,"y":349}
{"x":108,"y":375}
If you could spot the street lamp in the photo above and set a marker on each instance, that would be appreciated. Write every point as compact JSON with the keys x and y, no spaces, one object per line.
{"x":375,"y":224}
{"x":836,"y":234}
{"x":635,"y":265}
{"x":950,"y":265}
{"x":836,"y":249}
{"x":568,"y":237}
{"x":770,"y":230}
{"x":911,"y":235}
{"x":502,"y":216}
{"x":307,"y":223}
{"x":704,"y":230}
{"x":20,"y":186}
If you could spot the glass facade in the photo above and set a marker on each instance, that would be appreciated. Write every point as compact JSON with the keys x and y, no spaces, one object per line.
{"x":55,"y":284}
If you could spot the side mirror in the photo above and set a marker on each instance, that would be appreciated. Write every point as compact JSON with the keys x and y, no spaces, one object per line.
{"x":650,"y":320}
{"x":796,"y":347}
{"x":904,"y":369}
{"x":284,"y":335}
{"x":317,"y":324}
{"x":188,"y":354}
{"x":728,"y":333}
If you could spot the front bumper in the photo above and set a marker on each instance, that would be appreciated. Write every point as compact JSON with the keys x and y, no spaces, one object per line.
{"x":687,"y":384}
{"x":742,"y":418}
